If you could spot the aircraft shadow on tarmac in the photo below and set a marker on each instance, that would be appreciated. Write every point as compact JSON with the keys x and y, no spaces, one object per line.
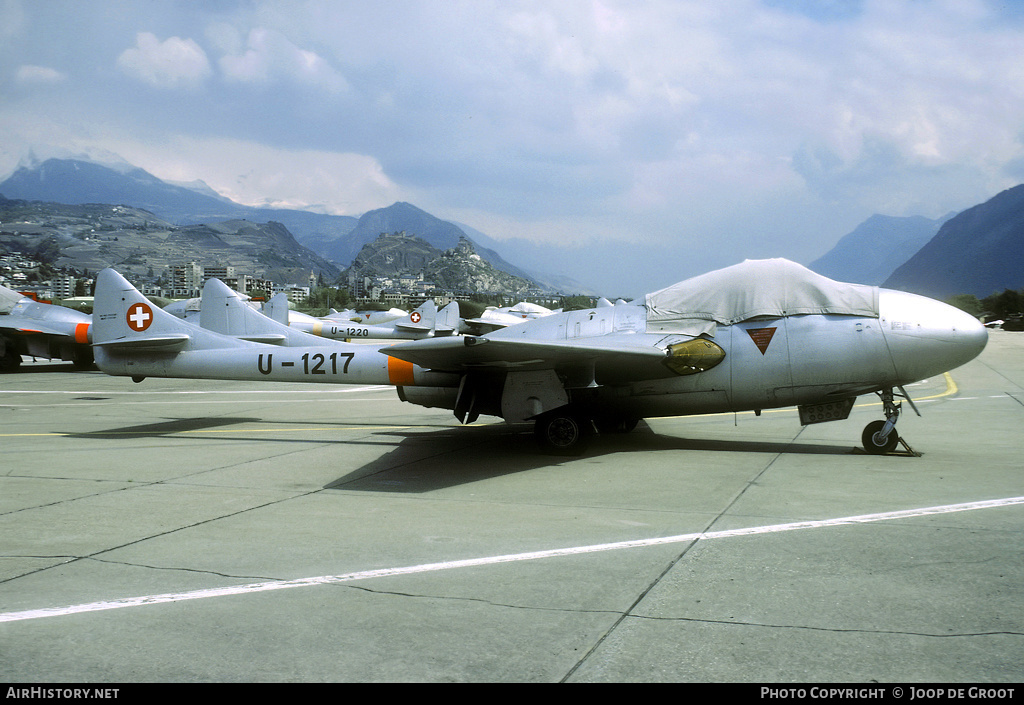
{"x":437,"y":460}
{"x":427,"y":457}
{"x":164,"y":428}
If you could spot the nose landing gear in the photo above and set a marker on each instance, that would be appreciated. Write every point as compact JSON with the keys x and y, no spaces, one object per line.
{"x":880,"y":437}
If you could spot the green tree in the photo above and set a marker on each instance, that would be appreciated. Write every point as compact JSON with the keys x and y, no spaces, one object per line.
{"x":575,"y":303}
{"x":968,"y":303}
{"x":322,"y":298}
{"x":1005,"y":304}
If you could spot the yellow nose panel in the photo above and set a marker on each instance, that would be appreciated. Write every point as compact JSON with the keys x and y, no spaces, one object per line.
{"x":693,"y":356}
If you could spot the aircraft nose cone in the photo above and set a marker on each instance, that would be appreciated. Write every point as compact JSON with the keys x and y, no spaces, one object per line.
{"x":927,"y":337}
{"x":973,"y":336}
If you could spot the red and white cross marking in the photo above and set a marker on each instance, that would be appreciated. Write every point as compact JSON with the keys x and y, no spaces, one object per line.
{"x":415,"y":317}
{"x":139,"y":317}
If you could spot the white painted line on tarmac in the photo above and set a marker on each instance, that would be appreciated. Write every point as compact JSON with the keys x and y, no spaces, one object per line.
{"x":494,"y":560}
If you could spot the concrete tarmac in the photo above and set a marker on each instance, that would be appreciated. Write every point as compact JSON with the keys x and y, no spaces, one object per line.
{"x":184,"y":531}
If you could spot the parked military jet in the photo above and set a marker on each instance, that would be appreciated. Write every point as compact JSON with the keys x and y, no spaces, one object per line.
{"x":425,"y":322}
{"x":494,"y":318}
{"x":36,"y":329}
{"x":758,"y":335}
{"x":368,"y":317}
{"x":226,"y":311}
{"x":134,"y":338}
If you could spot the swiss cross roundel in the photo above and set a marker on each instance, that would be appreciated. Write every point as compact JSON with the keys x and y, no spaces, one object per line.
{"x":139,"y":317}
{"x":415,"y":317}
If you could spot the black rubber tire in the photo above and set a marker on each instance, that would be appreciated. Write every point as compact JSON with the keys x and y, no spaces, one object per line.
{"x":871,"y":446}
{"x":10,"y":362}
{"x":562,"y":433}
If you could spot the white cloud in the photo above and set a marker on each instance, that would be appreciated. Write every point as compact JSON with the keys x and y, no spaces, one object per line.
{"x":29,"y":74}
{"x":588,"y":119}
{"x":269,"y":57}
{"x":173,"y":63}
{"x":260,"y":175}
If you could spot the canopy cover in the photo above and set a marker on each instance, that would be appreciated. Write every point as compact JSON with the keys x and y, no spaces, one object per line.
{"x":767,"y":287}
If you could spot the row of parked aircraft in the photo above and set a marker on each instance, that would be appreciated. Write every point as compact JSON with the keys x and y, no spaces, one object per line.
{"x":761,"y":334}
{"x":38,"y":329}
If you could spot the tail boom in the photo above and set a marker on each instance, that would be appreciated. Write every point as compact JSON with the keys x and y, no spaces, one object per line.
{"x":348,"y":364}
{"x":136,"y":339}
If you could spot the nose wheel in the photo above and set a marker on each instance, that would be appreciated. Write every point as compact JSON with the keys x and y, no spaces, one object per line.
{"x":880,"y":437}
{"x":875,"y":442}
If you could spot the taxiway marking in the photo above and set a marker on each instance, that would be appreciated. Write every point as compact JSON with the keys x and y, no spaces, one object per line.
{"x":495,"y":560}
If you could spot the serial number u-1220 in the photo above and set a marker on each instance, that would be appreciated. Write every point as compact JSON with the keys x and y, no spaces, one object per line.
{"x":315,"y":364}
{"x":350,"y":332}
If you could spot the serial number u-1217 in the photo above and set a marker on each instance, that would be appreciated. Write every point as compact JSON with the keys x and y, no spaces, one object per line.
{"x":315,"y":364}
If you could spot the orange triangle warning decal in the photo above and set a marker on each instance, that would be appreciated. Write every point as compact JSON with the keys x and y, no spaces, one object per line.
{"x":762,"y":337}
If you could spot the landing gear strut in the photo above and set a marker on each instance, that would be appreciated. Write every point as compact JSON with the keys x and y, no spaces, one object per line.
{"x":880,"y":437}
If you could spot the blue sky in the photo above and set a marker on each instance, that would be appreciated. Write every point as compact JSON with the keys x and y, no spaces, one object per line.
{"x":642,"y":142}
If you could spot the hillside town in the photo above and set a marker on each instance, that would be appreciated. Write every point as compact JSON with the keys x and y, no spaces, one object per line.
{"x":53,"y":251}
{"x":186,"y":280}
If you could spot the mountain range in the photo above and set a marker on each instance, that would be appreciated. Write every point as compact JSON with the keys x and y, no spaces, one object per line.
{"x":876,"y":247}
{"x":337,"y":238}
{"x":457,"y":268}
{"x":979,"y":251}
{"x":97,"y":235}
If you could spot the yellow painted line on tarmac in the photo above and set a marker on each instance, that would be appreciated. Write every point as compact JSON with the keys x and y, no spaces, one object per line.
{"x":951,"y":389}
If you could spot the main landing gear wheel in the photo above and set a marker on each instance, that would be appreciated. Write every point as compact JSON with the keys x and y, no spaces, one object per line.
{"x":563,"y":433}
{"x":874,"y":444}
{"x":10,"y":361}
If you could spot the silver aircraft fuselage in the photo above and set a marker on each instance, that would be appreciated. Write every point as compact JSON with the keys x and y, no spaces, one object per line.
{"x":766,"y":362}
{"x":605,"y":365}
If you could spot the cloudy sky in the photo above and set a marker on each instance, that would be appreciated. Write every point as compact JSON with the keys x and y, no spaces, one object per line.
{"x":651,"y":140}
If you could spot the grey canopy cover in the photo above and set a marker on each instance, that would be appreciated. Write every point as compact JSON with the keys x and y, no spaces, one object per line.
{"x":766,"y":287}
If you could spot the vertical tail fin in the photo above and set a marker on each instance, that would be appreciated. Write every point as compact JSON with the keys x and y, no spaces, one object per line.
{"x":125,"y":320}
{"x":422,"y":319}
{"x":448,"y":319}
{"x":226,"y":311}
{"x":277,"y":309}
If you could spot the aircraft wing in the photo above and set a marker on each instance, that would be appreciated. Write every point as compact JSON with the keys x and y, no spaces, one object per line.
{"x":169,"y":343}
{"x":482,"y":325}
{"x":412,"y":327}
{"x":38,"y":325}
{"x":609,"y":355}
{"x":30,"y":327}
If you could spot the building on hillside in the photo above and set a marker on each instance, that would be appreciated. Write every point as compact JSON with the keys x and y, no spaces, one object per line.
{"x":63,"y":286}
{"x":186,"y":280}
{"x":297,"y":294}
{"x":222,"y":273}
